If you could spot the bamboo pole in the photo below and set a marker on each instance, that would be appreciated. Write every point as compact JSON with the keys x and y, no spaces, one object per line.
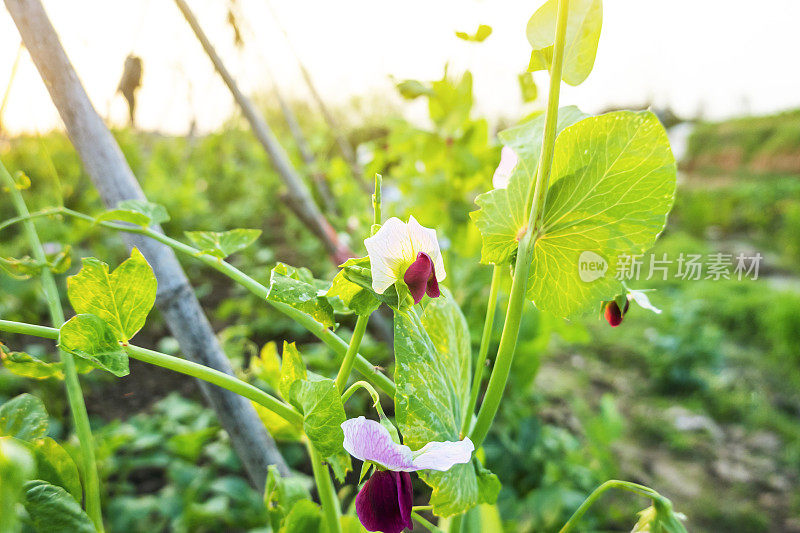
{"x":105,"y":164}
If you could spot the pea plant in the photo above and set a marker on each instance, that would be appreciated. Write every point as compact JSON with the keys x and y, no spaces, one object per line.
{"x":568,"y":184}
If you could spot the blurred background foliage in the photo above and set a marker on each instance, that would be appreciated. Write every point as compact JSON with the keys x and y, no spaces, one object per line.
{"x":701,"y":402}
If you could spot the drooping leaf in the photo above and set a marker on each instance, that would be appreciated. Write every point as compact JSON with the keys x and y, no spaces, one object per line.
{"x":20,"y":267}
{"x":503,"y":212}
{"x":429,"y":406}
{"x":23,"y":417}
{"x":612,"y":186}
{"x":25,"y":365}
{"x":277,"y":426}
{"x":225,"y":243}
{"x":267,"y":366}
{"x":479,"y":36}
{"x":56,"y":466}
{"x":90,"y":338}
{"x":138,"y":212}
{"x":323,"y":413}
{"x":16,"y":467}
{"x":580,"y":48}
{"x":122,"y":298}
{"x":52,"y":509}
{"x":292,"y":287}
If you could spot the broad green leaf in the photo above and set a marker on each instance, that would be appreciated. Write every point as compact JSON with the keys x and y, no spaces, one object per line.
{"x":580,"y":48}
{"x":138,"y":212}
{"x":90,"y":338}
{"x":449,"y":333}
{"x":16,"y":467}
{"x":305,"y":517}
{"x":23,"y":417}
{"x":282,"y":493}
{"x":527,"y":87}
{"x":502,"y":214}
{"x":293,"y":287}
{"x":56,"y":466}
{"x":25,"y":365}
{"x":52,"y":509}
{"x":323,"y":413}
{"x":479,"y":36}
{"x":411,"y":89}
{"x":428,"y":407}
{"x":612,"y":186}
{"x":359,"y":300}
{"x":122,"y":298}
{"x":225,"y":243}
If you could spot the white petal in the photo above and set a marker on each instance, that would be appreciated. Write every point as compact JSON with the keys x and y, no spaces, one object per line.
{"x":644,"y":302}
{"x":443,"y":455}
{"x":368,"y":440}
{"x":389,"y":249}
{"x":508,"y":160}
{"x":424,"y":240}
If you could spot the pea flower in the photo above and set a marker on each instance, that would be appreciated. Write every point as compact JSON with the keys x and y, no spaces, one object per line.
{"x":409,"y":252}
{"x":614,"y":315}
{"x":502,"y":175}
{"x":384,"y":502}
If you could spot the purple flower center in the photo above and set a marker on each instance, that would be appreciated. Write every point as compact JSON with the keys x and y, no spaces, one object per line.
{"x":384,"y":503}
{"x":421,"y":278}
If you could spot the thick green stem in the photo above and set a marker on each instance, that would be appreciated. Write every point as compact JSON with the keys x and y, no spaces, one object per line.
{"x":327,"y":494}
{"x":480,"y":360}
{"x":333,"y":341}
{"x":519,"y":285}
{"x":182,"y":366}
{"x":352,"y":352}
{"x":611,"y":484}
{"x":376,"y":201}
{"x":91,"y":481}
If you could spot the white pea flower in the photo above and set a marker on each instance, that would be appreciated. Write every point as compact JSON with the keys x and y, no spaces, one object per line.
{"x":408,"y":252}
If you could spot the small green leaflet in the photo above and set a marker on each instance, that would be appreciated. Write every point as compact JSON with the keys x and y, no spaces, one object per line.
{"x":480,"y":35}
{"x":583,"y":34}
{"x":122,"y":298}
{"x":360,"y":300}
{"x":52,"y":509}
{"x":297,"y":288}
{"x":138,"y":212}
{"x":16,"y":467}
{"x":323,"y":413}
{"x":502,"y":214}
{"x":411,"y":89}
{"x":225,"y":243}
{"x":431,"y":391}
{"x":305,"y":516}
{"x":282,"y":493}
{"x":527,"y":87}
{"x":56,"y":466}
{"x":89,"y":337}
{"x":612,"y":186}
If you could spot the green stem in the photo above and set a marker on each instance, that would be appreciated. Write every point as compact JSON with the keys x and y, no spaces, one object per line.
{"x":613,"y":483}
{"x":182,"y":366}
{"x":328,"y":337}
{"x":480,"y":360}
{"x":519,"y":285}
{"x":352,"y":352}
{"x":424,"y":522}
{"x":327,"y":495}
{"x":376,"y":201}
{"x":361,"y":385}
{"x":74,"y":394}
{"x":456,"y":523}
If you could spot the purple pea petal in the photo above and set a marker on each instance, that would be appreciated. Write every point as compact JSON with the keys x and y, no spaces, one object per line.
{"x":384,"y":502}
{"x":367,"y":440}
{"x":417,"y":276}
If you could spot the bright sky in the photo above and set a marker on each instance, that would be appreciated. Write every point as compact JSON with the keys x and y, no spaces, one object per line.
{"x":724,"y":57}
